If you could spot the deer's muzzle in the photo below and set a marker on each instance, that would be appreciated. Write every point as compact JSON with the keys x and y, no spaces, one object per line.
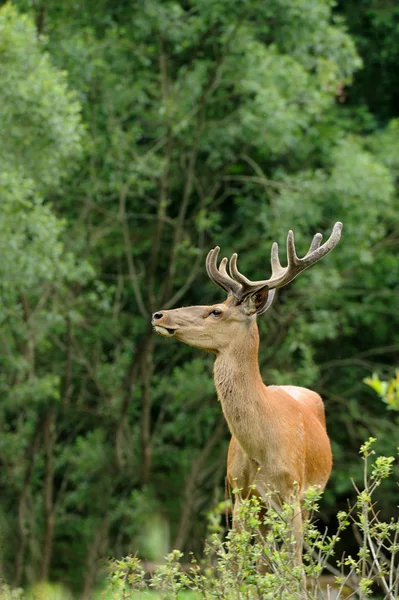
{"x":162,"y":328}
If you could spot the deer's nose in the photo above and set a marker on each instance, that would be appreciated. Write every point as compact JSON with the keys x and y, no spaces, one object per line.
{"x":156,"y":316}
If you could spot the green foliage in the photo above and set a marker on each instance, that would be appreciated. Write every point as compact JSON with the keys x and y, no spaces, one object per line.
{"x":256,"y":559}
{"x":10,"y":594}
{"x":374,"y":27}
{"x":40,"y":138}
{"x":387,"y":390}
{"x":41,"y":129}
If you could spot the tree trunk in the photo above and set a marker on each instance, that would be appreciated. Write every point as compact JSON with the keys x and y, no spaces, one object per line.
{"x":93,"y":554}
{"x":48,"y":493}
{"x":22,"y":508}
{"x":146,"y":368}
{"x":127,"y":395}
{"x":191,"y":488}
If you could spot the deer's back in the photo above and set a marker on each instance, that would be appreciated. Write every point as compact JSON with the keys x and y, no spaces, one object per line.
{"x":307,"y":398}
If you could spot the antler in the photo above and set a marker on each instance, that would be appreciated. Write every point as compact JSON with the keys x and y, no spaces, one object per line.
{"x":240,"y":287}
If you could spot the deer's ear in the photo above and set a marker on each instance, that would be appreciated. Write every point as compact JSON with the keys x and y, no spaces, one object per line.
{"x":259,"y":302}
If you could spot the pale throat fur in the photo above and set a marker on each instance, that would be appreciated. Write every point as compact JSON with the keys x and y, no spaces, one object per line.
{"x":248,"y":405}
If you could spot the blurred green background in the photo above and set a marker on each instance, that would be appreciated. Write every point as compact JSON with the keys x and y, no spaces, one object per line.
{"x":134,"y":136}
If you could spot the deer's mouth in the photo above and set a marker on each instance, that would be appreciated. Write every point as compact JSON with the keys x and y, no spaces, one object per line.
{"x":165,"y":331}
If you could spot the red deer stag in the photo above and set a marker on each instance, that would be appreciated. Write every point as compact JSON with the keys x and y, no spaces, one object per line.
{"x":279,"y":441}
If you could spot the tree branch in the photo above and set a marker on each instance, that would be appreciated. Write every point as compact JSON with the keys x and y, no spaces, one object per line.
{"x":129,"y":254}
{"x":262,"y":181}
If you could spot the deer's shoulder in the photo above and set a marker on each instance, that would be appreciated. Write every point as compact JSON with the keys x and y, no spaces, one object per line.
{"x":305,"y":397}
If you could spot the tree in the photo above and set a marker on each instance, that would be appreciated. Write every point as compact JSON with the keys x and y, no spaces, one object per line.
{"x":41,"y":136}
{"x":374,"y":27}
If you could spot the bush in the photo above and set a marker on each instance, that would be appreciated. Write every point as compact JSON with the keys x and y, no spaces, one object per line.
{"x":256,"y":560}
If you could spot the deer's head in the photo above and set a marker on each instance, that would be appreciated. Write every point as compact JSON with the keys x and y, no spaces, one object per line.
{"x":216,"y":326}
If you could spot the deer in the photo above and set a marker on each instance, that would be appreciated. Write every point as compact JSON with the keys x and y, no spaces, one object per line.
{"x":279,"y":443}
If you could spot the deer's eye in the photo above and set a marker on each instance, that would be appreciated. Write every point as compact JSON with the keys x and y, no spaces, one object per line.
{"x":215,"y":313}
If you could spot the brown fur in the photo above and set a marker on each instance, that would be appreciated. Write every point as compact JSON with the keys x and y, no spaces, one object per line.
{"x":279,"y":441}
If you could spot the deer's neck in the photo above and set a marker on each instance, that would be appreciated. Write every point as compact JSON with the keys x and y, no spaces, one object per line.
{"x":243,"y":395}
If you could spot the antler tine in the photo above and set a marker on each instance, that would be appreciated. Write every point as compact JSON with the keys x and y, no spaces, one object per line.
{"x":222,"y":267}
{"x":235,"y":273}
{"x":291,"y":252}
{"x":211,"y":267}
{"x":235,"y":287}
{"x":315,"y":243}
{"x":240,"y":286}
{"x":220,"y":276}
{"x":247,"y":286}
{"x":274,"y":259}
{"x":281,"y":276}
{"x":318,"y":252}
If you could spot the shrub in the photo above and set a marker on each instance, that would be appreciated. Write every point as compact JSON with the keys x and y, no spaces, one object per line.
{"x":256,"y":558}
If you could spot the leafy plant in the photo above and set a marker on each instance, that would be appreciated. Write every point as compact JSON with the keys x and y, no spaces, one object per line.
{"x":256,"y":560}
{"x":388,"y":391}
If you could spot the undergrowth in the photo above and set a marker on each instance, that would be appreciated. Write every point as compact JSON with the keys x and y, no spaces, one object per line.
{"x":256,"y":559}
